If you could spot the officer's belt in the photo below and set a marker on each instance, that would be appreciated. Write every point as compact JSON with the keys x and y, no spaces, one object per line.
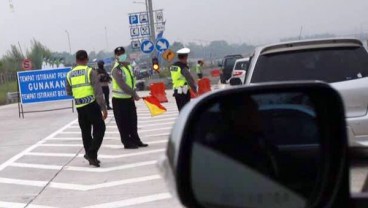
{"x":85,"y":100}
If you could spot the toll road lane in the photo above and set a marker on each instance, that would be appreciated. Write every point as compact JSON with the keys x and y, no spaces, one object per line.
{"x":47,"y":168}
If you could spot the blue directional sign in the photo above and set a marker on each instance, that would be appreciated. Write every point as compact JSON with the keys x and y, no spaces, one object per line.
{"x":43,"y":85}
{"x":133,"y":19}
{"x":162,"y":45}
{"x":147,"y":46}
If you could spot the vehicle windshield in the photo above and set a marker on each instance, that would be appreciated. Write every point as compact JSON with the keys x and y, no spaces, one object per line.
{"x":329,"y":65}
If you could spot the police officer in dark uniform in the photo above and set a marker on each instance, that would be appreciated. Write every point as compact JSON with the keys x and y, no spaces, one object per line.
{"x":105,"y":79}
{"x":182,"y":79}
{"x":124,"y":96}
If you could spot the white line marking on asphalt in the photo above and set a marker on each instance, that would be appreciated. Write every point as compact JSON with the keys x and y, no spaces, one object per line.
{"x":29,"y":149}
{"x":117,"y":132}
{"x":20,"y":205}
{"x":78,"y":187}
{"x":113,"y":146}
{"x":139,"y":126}
{"x":84,"y":169}
{"x":44,"y":154}
{"x":105,"y":138}
{"x":133,"y":201}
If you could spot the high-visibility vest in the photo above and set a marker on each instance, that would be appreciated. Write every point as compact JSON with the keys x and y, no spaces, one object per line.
{"x":178,"y":79}
{"x":129,"y":79}
{"x":79,"y":80}
{"x":198,"y":68}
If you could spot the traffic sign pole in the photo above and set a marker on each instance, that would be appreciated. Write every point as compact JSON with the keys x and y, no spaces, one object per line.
{"x":152,"y":23}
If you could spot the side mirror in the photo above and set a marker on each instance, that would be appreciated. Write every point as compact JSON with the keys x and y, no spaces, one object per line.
{"x":273,"y":145}
{"x":220,"y":65}
{"x":235,"y":81}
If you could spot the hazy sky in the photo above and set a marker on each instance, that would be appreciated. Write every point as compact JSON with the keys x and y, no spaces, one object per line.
{"x":250,"y":21}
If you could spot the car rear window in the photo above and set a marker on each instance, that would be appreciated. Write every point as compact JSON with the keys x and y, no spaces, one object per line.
{"x":243,"y":65}
{"x":328,"y":64}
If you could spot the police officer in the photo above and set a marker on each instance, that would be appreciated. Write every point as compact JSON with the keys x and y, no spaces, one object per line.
{"x":198,"y":67}
{"x":181,"y":78}
{"x":83,"y":84}
{"x":123,"y":97}
{"x":104,"y":80}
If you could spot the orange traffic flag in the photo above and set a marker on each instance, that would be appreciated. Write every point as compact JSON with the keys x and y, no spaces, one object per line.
{"x":154,"y":105}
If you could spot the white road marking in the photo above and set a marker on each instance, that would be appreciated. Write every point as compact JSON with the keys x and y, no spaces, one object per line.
{"x":155,"y":121}
{"x":84,"y":169}
{"x":29,"y":149}
{"x":113,"y":126}
{"x":20,"y":205}
{"x":105,"y":138}
{"x":133,"y":201}
{"x":78,"y":187}
{"x":113,"y":146}
{"x":117,"y":132}
{"x":45,"y":154}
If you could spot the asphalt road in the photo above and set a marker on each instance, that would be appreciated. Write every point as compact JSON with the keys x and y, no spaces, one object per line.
{"x":42,"y":165}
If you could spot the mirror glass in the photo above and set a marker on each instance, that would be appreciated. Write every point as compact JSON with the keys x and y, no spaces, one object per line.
{"x":260,"y":150}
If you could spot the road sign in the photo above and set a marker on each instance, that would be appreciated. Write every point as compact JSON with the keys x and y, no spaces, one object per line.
{"x":136,"y":44}
{"x":147,"y":46}
{"x":133,"y":19}
{"x":145,"y":30}
{"x":168,"y":55}
{"x":43,"y":85}
{"x":160,"y":27}
{"x":162,"y":45}
{"x":134,"y":31}
{"x":159,"y":16}
{"x":143,"y":18}
{"x":27,"y":64}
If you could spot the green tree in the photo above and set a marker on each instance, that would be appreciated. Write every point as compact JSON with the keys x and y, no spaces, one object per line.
{"x":38,"y":53}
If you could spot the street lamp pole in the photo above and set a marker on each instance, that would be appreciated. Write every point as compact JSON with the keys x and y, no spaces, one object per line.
{"x":70,"y":47}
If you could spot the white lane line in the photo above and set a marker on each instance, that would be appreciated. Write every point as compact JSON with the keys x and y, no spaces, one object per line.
{"x":116,"y":132}
{"x":133,"y":201}
{"x":105,"y":138}
{"x":29,"y":149}
{"x":139,"y":126}
{"x":78,"y":187}
{"x":42,"y":154}
{"x":84,"y":169}
{"x":20,"y":205}
{"x":113,"y":146}
{"x":155,"y":121}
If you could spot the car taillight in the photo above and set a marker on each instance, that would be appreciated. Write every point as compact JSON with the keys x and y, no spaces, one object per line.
{"x":235,"y":74}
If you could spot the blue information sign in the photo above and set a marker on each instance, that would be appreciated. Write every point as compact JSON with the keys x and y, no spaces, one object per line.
{"x":133,"y":19}
{"x":147,"y":46}
{"x":38,"y":86}
{"x":162,"y":45}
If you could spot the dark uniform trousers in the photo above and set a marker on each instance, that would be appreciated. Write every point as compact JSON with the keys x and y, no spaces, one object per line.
{"x":125,"y":113}
{"x":90,"y":116}
{"x":106,"y":92}
{"x":181,"y":99}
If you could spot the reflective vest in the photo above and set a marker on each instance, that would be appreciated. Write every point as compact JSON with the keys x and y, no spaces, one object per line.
{"x":177,"y":78}
{"x":79,"y":80}
{"x":128,"y":78}
{"x":198,"y":68}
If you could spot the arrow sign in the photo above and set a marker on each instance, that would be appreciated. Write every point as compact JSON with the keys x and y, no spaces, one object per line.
{"x":147,"y":46}
{"x":162,"y":45}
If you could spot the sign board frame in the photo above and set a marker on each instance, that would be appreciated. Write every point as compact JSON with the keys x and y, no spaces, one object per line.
{"x":52,"y":82}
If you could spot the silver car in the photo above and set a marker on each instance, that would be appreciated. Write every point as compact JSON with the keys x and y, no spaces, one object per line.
{"x":341,"y":62}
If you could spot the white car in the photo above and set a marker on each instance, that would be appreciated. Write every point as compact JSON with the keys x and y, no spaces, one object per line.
{"x":240,"y":69}
{"x":341,"y":62}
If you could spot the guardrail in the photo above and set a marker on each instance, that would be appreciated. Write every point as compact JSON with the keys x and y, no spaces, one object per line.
{"x":12,"y":97}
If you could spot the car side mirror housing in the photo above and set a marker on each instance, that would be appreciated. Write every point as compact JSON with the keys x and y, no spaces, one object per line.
{"x":235,"y":81}
{"x":272,"y":145}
